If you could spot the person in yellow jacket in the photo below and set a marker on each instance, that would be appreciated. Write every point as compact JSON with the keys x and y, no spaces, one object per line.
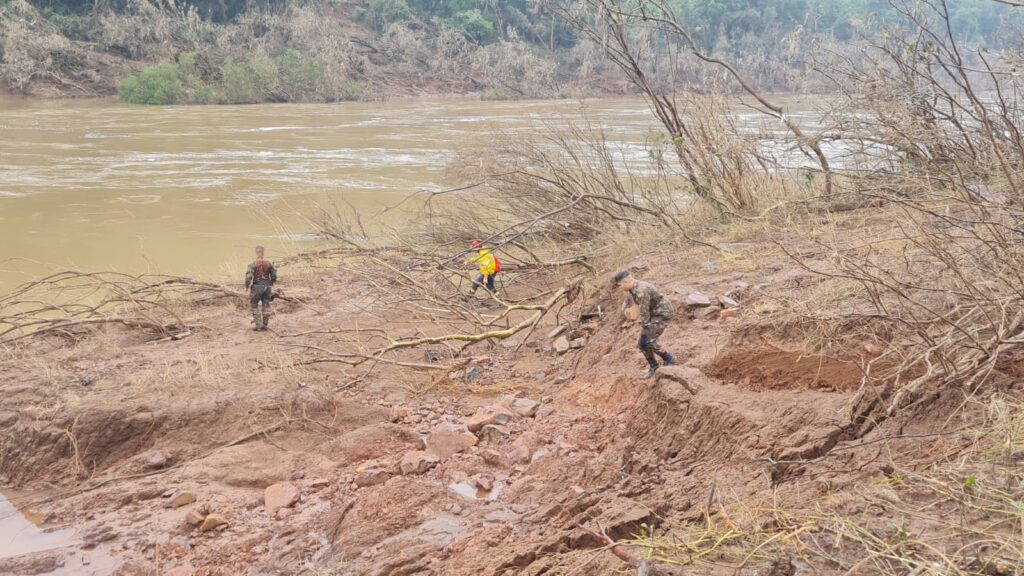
{"x":488,"y":265}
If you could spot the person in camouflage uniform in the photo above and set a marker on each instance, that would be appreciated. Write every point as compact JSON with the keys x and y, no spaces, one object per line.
{"x":655,"y":314}
{"x":259,"y":280}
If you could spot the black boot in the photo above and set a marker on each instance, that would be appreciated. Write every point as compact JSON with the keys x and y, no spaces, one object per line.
{"x":667,"y":359}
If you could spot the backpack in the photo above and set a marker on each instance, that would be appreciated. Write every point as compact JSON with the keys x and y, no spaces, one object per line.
{"x":497,"y":265}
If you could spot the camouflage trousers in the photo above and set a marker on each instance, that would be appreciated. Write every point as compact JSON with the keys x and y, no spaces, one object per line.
{"x":648,"y":343}
{"x":260,"y":293}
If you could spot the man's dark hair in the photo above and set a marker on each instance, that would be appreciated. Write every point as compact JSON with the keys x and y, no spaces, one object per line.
{"x":620,"y":276}
{"x":259,"y":248}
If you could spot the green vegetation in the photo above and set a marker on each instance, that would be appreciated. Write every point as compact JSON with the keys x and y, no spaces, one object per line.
{"x":290,"y":76}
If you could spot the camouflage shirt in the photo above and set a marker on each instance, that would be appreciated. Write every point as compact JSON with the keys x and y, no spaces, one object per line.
{"x":260,"y":272}
{"x":653,"y":306}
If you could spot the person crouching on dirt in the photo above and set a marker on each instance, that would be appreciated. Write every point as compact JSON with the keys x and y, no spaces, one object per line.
{"x":259,"y":280}
{"x":655,"y":314}
{"x":488,"y":265}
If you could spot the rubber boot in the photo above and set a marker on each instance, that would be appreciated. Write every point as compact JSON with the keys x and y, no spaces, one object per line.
{"x":651,"y":369}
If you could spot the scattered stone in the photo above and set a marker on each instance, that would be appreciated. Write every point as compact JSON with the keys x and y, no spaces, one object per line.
{"x":632,"y":313}
{"x":446,"y":440}
{"x":578,"y":343}
{"x":182,"y":499}
{"x":320,"y":483}
{"x":432,"y":356}
{"x":195,"y":517}
{"x":495,"y":458}
{"x":482,"y":482}
{"x":539,"y":376}
{"x":97,"y":535}
{"x":525,"y":407}
{"x":417,"y":462}
{"x":494,"y":414}
{"x":213,"y":521}
{"x":708,"y":313}
{"x":557,"y":331}
{"x":399,"y":413}
{"x":280,"y":495}
{"x":473,"y":374}
{"x":493,"y":433}
{"x":728,"y":313}
{"x":170,"y":492}
{"x":156,"y":460}
{"x":728,"y":302}
{"x":697,"y":300}
{"x":562,"y":345}
{"x":372,"y":477}
{"x":522,"y":454}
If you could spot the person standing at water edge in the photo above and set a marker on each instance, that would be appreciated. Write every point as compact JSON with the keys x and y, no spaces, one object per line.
{"x":655,"y":314}
{"x":259,"y":279}
{"x":489,"y":267}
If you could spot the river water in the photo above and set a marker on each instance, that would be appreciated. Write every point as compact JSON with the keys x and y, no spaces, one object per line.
{"x":101,"y":185}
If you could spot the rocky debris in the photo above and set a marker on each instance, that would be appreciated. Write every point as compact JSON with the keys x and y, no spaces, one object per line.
{"x":195,"y":517}
{"x":473,"y":373}
{"x":212,"y":522}
{"x":371,"y":477}
{"x":522,"y":454}
{"x":7,"y":418}
{"x":697,"y":300}
{"x":280,"y":495}
{"x":494,"y":458}
{"x":728,"y":313}
{"x":494,"y":414}
{"x":417,"y":462}
{"x":728,"y":302}
{"x":182,"y":498}
{"x":317,"y":483}
{"x":483,"y":482}
{"x":446,"y":440}
{"x":493,"y":433}
{"x":157,"y":459}
{"x":97,"y":535}
{"x":708,"y":313}
{"x":562,"y":345}
{"x":557,"y":331}
{"x":525,"y":407}
{"x":399,"y":414}
{"x":433,"y":356}
{"x":577,"y":343}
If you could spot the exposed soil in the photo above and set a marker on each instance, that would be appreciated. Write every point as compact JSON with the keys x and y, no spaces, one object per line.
{"x":112,"y":428}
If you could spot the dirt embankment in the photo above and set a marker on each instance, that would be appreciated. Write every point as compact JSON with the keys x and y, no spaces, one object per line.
{"x":223,"y":453}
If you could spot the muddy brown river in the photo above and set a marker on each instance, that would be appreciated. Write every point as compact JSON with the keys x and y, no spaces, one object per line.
{"x":101,"y":185}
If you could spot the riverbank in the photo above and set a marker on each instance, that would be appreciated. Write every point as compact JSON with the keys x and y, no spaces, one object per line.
{"x":207,"y":448}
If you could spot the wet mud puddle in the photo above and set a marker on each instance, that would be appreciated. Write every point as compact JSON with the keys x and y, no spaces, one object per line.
{"x":22,"y":533}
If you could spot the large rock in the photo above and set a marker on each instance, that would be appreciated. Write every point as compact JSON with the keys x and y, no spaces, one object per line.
{"x":697,"y":300}
{"x":562,"y":345}
{"x":632,"y":313}
{"x":446,"y":440}
{"x":7,"y":418}
{"x":495,"y":414}
{"x":280,"y":495}
{"x":195,"y":517}
{"x":156,"y":460}
{"x":494,"y":433}
{"x":525,"y":407}
{"x":212,"y":522}
{"x":417,"y":462}
{"x":728,"y":302}
{"x":182,"y":499}
{"x":372,"y":477}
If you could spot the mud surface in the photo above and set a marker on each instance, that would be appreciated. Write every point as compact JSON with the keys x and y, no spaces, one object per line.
{"x":219,"y":454}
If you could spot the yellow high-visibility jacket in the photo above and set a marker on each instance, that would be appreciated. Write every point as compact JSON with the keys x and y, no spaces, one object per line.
{"x":485,"y":260}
